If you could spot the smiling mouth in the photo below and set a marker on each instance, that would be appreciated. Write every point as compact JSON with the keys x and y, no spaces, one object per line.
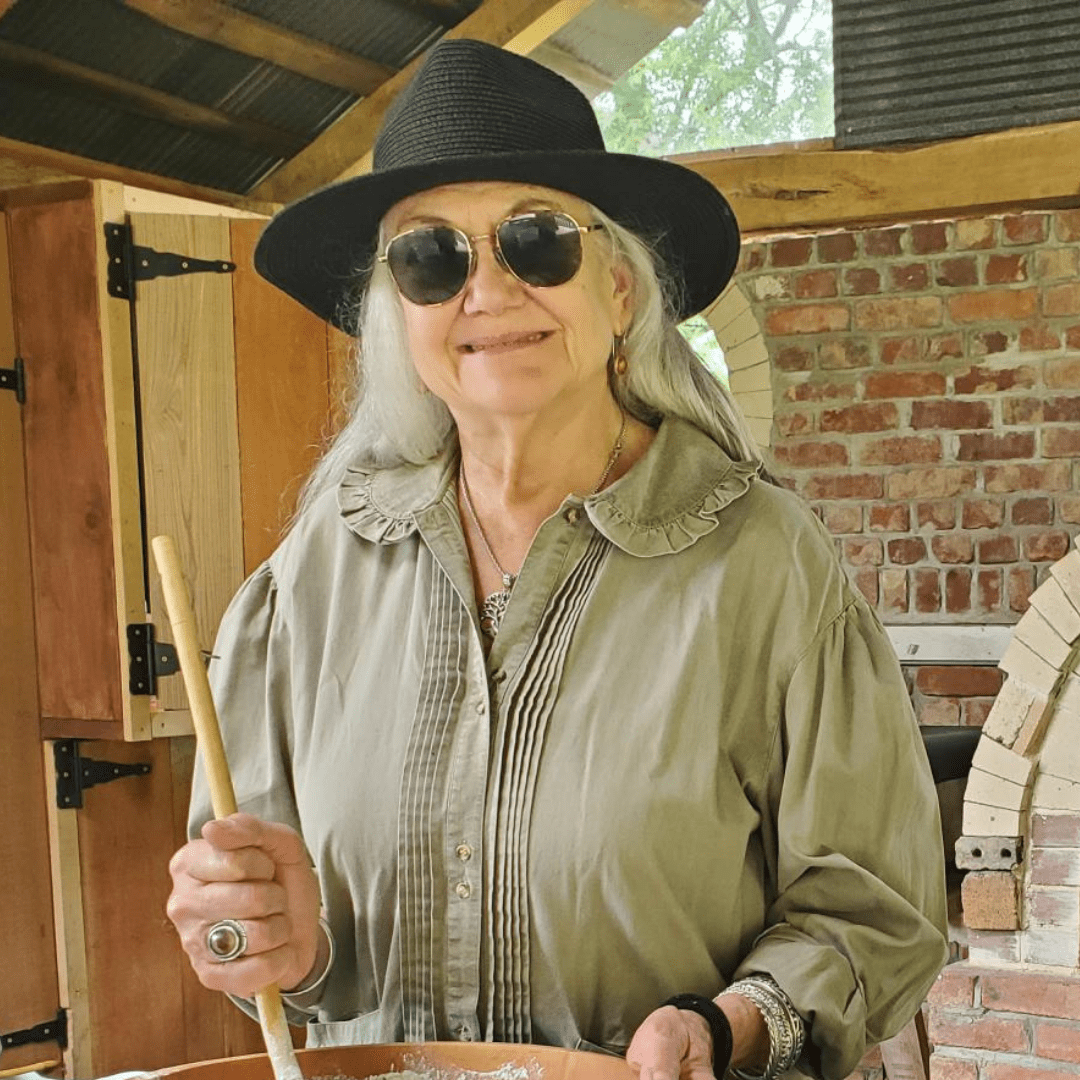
{"x":505,"y":342}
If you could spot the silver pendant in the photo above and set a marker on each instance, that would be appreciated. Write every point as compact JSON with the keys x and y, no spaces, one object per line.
{"x":493,"y":608}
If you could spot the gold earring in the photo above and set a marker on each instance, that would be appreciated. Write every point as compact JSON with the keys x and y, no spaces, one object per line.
{"x":619,"y":362}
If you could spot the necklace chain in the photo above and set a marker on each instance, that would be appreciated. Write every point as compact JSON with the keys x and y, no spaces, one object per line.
{"x":494,"y":606}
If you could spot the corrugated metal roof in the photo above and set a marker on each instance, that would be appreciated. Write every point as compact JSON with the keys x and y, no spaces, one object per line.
{"x":388,"y":33}
{"x":916,"y":71}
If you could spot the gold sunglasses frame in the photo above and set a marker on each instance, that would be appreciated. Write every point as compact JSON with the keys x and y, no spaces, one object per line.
{"x":493,"y":238}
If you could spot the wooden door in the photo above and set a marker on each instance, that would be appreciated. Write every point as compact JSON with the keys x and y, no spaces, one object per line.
{"x":218,"y":408}
{"x":29,"y":991}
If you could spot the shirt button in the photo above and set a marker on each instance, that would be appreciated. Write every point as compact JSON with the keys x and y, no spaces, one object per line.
{"x":463,"y":852}
{"x":572,"y":515}
{"x":464,"y":1033}
{"x":463,"y":889}
{"x":481,"y":707}
{"x":499,"y":677}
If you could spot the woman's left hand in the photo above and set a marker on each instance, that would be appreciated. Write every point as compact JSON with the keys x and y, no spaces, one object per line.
{"x":672,"y":1044}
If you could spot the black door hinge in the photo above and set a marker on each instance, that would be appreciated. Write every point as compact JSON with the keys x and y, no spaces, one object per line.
{"x":14,"y":378}
{"x":74,"y":773}
{"x":50,"y":1031}
{"x":130,"y":262}
{"x":148,"y":659}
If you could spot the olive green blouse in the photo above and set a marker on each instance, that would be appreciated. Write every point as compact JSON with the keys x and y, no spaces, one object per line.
{"x":689,"y":756}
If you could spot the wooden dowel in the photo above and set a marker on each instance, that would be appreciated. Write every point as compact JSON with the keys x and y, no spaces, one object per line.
{"x":272,"y":1020}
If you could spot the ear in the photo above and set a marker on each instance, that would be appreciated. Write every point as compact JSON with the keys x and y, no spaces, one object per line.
{"x":622,"y":297}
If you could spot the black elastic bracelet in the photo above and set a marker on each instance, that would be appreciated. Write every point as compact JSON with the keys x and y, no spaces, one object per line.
{"x":722,"y":1042}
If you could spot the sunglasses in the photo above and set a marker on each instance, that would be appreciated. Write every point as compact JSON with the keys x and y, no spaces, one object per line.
{"x":432,"y":263}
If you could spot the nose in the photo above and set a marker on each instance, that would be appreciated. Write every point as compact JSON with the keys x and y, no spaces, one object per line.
{"x":491,"y":288}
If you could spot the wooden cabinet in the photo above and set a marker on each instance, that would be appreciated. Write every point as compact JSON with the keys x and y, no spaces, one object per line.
{"x":194,"y":409}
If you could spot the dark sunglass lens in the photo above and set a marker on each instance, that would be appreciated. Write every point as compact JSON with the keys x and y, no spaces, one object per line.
{"x":541,"y":249}
{"x":430,"y":265}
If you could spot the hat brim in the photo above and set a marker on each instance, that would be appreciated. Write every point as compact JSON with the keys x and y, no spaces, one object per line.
{"x":317,"y":249}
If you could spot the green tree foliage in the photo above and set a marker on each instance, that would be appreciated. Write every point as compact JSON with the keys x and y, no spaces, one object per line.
{"x":745,"y":72}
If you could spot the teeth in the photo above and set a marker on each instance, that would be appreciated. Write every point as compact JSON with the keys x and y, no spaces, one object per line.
{"x":524,"y":339}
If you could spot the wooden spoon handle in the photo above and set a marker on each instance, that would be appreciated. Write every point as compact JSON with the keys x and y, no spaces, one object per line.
{"x":272,"y":1020}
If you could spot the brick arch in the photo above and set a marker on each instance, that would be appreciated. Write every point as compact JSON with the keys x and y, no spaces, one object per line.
{"x":1021,"y":831}
{"x":747,"y":358}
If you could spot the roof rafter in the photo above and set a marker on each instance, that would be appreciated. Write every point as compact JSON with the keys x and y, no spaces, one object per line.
{"x":213,"y":21}
{"x":73,"y":165}
{"x":343,"y":150}
{"x":45,"y":70}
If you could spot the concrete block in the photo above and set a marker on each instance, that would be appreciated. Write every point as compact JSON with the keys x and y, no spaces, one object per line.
{"x":1039,"y":636}
{"x":749,"y":354}
{"x":1050,"y":600}
{"x":993,"y":821}
{"x":1060,"y":752}
{"x":1066,"y":572}
{"x":1057,"y":948}
{"x":991,"y":900}
{"x":1053,"y":793}
{"x":1022,"y":663}
{"x":1012,"y":707}
{"x":992,"y":757}
{"x":988,"y":852}
{"x":990,"y":790}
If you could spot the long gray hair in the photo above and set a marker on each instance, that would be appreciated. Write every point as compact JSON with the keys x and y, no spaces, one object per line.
{"x":393,"y":419}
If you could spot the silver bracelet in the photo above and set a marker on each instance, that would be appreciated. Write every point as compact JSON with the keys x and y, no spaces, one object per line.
{"x":787,"y":1031}
{"x":303,"y":991}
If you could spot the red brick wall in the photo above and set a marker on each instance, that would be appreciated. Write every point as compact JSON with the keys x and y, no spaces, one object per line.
{"x":997,"y":1024}
{"x":926,"y":388}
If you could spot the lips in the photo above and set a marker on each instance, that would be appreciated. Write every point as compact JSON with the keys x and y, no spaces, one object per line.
{"x":504,"y":342}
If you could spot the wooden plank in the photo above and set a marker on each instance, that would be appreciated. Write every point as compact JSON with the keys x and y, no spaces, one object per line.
{"x":211,"y":20}
{"x":341,"y":150}
{"x":54,"y":249}
{"x":24,"y":163}
{"x":815,"y":187}
{"x":134,"y":964}
{"x":43,"y":69}
{"x":188,"y":395}
{"x":70,"y":928}
{"x":283,"y":397}
{"x":118,"y":379}
{"x":29,"y":992}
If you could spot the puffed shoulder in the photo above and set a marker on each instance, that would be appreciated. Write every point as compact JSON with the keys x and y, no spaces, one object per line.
{"x":673,"y":496}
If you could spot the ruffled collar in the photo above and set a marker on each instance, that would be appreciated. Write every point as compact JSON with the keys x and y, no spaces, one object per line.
{"x":668,"y":500}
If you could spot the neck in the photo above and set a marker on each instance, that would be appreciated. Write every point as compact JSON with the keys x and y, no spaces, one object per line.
{"x":519,"y":472}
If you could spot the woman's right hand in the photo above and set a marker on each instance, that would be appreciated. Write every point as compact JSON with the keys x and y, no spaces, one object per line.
{"x":259,"y":874}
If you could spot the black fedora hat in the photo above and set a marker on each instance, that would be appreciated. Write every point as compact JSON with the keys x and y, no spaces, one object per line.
{"x":477,"y":112}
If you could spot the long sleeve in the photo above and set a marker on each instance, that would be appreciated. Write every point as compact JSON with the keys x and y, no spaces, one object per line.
{"x":855,"y":934}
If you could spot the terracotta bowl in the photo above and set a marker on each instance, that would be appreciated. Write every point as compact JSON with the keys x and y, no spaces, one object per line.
{"x":359,"y":1062}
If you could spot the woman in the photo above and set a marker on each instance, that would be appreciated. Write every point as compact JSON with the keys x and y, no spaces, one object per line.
{"x":580,"y":722}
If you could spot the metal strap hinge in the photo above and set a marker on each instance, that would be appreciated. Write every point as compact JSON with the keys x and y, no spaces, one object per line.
{"x":14,"y":379}
{"x":148,"y":659}
{"x":50,"y":1031}
{"x":74,"y":773}
{"x":130,"y":262}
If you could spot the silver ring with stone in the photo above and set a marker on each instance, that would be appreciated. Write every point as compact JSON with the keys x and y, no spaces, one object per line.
{"x":226,"y":940}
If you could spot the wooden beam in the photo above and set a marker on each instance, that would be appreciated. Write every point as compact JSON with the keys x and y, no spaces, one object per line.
{"x":71,"y":165}
{"x":211,"y":20}
{"x":343,"y":150}
{"x":815,"y":187}
{"x":45,"y":70}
